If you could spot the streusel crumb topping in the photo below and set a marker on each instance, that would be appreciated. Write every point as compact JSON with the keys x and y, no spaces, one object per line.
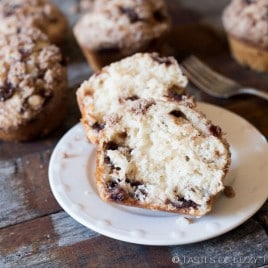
{"x":122,"y":24}
{"x":248,"y":19}
{"x":31,"y":70}
{"x":38,"y":13}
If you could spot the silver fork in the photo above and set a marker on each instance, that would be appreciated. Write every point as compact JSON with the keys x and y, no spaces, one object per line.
{"x":213,"y":83}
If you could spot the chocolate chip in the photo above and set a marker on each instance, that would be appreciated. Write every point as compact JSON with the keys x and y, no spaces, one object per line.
{"x":107,"y":160}
{"x":117,"y":194}
{"x":178,"y":114}
{"x":131,"y":13}
{"x":111,"y":146}
{"x":111,"y":185}
{"x":140,"y":193}
{"x":182,"y":203}
{"x":162,"y":60}
{"x":132,"y":98}
{"x":159,"y":16}
{"x":187,"y":158}
{"x":24,"y":53}
{"x":215,"y":131}
{"x":6,"y":91}
{"x":175,"y":93}
{"x":144,"y":193}
{"x":133,"y":183}
{"x":97,"y":126}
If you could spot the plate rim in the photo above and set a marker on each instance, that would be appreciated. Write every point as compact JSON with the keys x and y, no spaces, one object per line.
{"x":140,"y":240}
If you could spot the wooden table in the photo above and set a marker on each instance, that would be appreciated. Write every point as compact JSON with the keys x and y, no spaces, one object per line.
{"x":36,"y":232}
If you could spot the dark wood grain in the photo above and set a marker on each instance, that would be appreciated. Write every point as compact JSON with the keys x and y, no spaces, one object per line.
{"x":25,"y":191}
{"x":59,"y":240}
{"x":44,"y":240}
{"x":35,"y":232}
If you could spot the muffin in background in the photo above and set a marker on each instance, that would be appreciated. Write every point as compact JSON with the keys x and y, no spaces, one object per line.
{"x":33,"y":84}
{"x":115,"y":29}
{"x":86,"y":5}
{"x":246,"y":25}
{"x":41,"y":14}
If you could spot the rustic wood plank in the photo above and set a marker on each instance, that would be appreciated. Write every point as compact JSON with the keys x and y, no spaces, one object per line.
{"x":36,"y":233}
{"x":56,"y":240}
{"x":245,"y":246}
{"x":25,"y":193}
{"x":35,"y":242}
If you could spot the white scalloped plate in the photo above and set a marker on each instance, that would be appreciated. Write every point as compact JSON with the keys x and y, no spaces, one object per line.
{"x":71,"y":176}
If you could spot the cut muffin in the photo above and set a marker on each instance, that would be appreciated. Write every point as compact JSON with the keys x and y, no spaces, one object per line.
{"x":115,"y":29}
{"x":246,"y":24}
{"x":163,"y":156}
{"x":41,"y":14}
{"x":143,"y":75}
{"x":33,"y":83}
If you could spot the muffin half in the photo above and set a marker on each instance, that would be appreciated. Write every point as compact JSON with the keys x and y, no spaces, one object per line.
{"x":161,"y":155}
{"x":143,"y":75}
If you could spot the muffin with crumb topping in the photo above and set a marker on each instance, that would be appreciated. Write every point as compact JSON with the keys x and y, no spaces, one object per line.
{"x":246,"y":24}
{"x":115,"y":29}
{"x":41,"y":14}
{"x":33,"y":81}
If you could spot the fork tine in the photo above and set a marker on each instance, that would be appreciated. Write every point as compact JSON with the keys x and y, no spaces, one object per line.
{"x":213,"y":83}
{"x":195,"y":74}
{"x":196,"y":79}
{"x":206,"y":81}
{"x":207,"y":71}
{"x":201,"y":73}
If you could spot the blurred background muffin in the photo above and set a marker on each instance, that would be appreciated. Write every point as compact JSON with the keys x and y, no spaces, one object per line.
{"x":85,"y":5}
{"x":246,"y":24}
{"x":33,"y":84}
{"x":42,"y":14}
{"x":116,"y":29}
